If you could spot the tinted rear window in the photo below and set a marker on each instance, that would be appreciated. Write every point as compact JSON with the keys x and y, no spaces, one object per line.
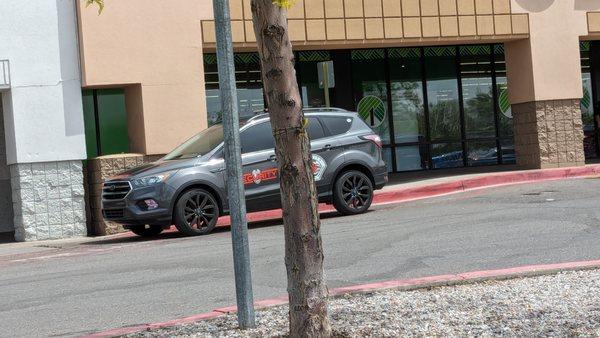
{"x":315,"y":129}
{"x":337,"y":124}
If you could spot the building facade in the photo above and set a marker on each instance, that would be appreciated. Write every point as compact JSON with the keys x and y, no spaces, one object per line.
{"x":43,"y":143}
{"x":446,"y":84}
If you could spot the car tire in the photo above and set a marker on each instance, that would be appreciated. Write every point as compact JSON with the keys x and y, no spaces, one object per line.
{"x":352,"y":193}
{"x":146,"y":231}
{"x":196,"y":212}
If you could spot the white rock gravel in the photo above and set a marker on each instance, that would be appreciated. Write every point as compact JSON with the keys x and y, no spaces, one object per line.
{"x":565,"y":304}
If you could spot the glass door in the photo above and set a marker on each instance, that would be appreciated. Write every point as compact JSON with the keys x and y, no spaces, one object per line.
{"x":589,"y":72}
{"x":478,"y":105}
{"x":443,"y":107}
{"x":370,"y":93}
{"x":408,"y":109}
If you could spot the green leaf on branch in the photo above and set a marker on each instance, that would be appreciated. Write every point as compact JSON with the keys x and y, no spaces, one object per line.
{"x":100,"y":4}
{"x":287,"y":4}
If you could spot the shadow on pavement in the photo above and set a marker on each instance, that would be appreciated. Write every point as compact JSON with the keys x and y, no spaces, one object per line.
{"x":172,"y":233}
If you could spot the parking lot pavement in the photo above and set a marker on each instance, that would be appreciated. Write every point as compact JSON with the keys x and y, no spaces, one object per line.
{"x":106,"y":283}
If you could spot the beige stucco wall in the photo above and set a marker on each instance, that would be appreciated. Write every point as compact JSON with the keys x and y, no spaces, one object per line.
{"x":547,"y":65}
{"x":154,"y":47}
{"x":366,"y":23}
{"x":154,"y":50}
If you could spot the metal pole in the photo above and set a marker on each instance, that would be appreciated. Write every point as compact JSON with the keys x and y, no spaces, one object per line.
{"x":233,"y":164}
{"x":326,"y":83}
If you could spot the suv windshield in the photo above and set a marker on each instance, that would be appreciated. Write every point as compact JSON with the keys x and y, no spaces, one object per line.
{"x":200,"y":144}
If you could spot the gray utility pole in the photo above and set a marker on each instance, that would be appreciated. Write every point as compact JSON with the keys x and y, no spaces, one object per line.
{"x":233,"y":164}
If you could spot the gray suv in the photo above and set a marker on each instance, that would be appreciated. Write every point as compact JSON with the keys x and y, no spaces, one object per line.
{"x":187,"y":186}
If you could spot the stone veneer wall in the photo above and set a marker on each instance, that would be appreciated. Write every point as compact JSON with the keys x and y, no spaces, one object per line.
{"x":98,"y":170}
{"x":548,"y":134}
{"x":48,"y":200}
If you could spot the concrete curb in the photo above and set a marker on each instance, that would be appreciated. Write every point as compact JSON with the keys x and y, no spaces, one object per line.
{"x":458,"y":185}
{"x":403,"y":284}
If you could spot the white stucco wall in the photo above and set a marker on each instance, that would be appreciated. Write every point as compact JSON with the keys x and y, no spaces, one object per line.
{"x":43,"y":109}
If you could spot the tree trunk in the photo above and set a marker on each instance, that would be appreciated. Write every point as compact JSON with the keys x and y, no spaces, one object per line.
{"x":303,"y":248}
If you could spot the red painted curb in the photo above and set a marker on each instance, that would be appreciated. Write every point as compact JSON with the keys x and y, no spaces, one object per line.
{"x":403,"y":284}
{"x":137,"y":328}
{"x":394,"y":284}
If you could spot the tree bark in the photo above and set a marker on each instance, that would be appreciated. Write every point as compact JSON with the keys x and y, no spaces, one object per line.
{"x":303,"y":248}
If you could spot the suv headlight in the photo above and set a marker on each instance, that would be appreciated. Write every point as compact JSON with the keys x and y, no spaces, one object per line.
{"x":149,"y":181}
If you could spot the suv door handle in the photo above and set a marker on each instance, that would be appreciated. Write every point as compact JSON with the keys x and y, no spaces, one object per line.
{"x":327,"y":147}
{"x":273,"y":158}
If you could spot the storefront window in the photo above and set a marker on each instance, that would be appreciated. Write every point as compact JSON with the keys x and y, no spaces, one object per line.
{"x":434,"y":107}
{"x":447,"y":155}
{"x":387,"y":158}
{"x":482,"y":153}
{"x":505,"y":120}
{"x":409,"y":158}
{"x":407,"y":95}
{"x":507,"y":149}
{"x":248,"y":82}
{"x":587,"y":103}
{"x":369,"y":80}
{"x":313,"y":95}
{"x":478,"y":100}
{"x":587,"y":108}
{"x":442,"y":93}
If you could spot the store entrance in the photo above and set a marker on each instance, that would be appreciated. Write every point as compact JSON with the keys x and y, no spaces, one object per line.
{"x":590,"y":102}
{"x":434,"y":107}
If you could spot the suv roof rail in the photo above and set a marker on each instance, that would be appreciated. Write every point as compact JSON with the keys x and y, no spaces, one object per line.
{"x":325,"y":109}
{"x":265,"y":112}
{"x":259,"y":113}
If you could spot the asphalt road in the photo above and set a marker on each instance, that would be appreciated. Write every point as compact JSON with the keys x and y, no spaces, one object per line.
{"x":94,"y":286}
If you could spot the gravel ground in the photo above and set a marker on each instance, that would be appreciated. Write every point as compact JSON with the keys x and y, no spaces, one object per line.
{"x":565,"y":304}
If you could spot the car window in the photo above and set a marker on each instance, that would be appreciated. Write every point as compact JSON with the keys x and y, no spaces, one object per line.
{"x":315,"y":129}
{"x":199,"y":144}
{"x":337,"y":124}
{"x":257,"y":138}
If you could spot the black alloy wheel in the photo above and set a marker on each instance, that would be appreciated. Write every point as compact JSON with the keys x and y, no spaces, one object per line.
{"x":196,"y":212}
{"x":353,"y":193}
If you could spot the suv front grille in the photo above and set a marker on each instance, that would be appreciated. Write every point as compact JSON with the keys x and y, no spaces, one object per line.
{"x":115,"y":190}
{"x":113,"y":213}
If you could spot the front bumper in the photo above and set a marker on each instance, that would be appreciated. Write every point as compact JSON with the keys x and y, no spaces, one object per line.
{"x":130,"y":210}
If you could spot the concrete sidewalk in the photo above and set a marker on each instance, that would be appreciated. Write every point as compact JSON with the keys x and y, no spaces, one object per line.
{"x":401,"y":188}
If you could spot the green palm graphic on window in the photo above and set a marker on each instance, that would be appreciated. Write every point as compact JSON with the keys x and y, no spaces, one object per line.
{"x":503,"y":101}
{"x":586,"y":99}
{"x":372,"y":110}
